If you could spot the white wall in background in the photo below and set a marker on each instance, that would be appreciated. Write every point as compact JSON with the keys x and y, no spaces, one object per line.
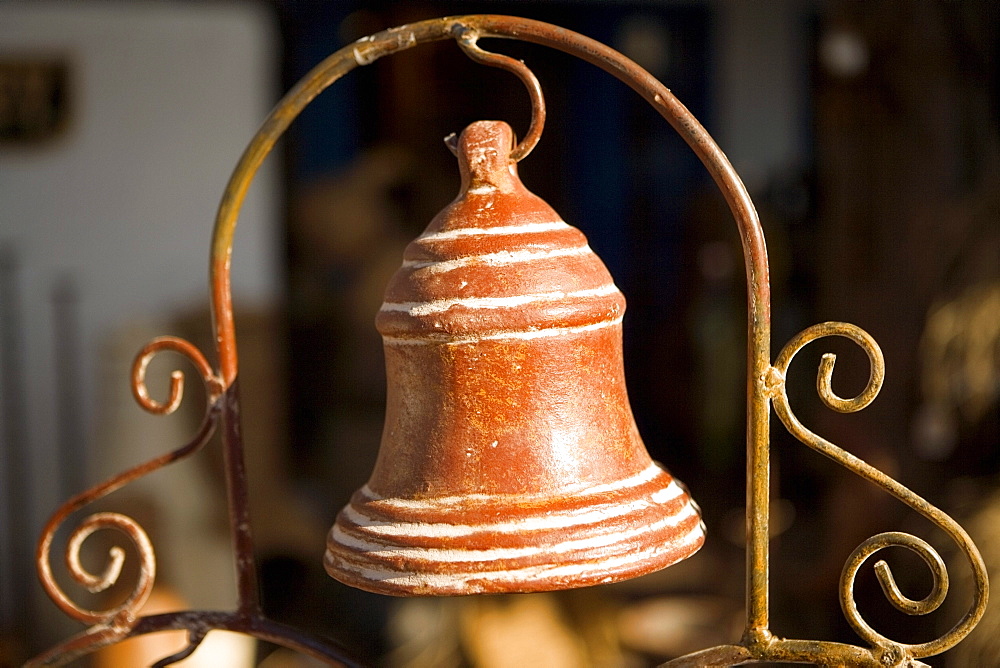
{"x":165,"y":96}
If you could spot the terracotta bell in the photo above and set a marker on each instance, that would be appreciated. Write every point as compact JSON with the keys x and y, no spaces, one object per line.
{"x":510,"y":460}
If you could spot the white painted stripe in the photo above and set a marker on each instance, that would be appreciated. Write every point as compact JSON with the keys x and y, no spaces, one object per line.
{"x":548,"y":521}
{"x":441,"y":305}
{"x":495,"y":259}
{"x":527,"y":228}
{"x":451,"y":339}
{"x":379,"y":549}
{"x":439,"y":503}
{"x":640,"y":478}
{"x":452,"y":581}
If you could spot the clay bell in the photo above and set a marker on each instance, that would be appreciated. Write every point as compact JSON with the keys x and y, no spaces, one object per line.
{"x":510,"y":460}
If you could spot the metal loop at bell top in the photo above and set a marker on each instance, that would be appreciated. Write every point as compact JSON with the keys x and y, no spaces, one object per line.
{"x":467,"y":39}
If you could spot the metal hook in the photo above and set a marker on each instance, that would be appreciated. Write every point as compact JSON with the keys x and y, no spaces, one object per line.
{"x":467,"y":39}
{"x":194,"y":642}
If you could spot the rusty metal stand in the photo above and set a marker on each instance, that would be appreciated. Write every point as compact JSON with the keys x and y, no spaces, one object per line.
{"x":765,"y":386}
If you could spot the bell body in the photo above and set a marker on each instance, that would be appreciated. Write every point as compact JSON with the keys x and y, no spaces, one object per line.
{"x":510,"y":460}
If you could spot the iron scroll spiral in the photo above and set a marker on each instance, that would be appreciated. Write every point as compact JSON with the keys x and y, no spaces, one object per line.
{"x":891,"y":651}
{"x":122,"y":615}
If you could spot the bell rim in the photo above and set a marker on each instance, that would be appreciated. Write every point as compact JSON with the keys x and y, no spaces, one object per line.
{"x":626,"y":566}
{"x":549,"y":549}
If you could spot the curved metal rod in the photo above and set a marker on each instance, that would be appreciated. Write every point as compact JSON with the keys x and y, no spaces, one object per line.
{"x":145,"y":356}
{"x":198,"y":623}
{"x":195,"y":638}
{"x":926,"y":605}
{"x":125,"y":612}
{"x":908,"y":497}
{"x":468,"y":41}
{"x":369,"y":49}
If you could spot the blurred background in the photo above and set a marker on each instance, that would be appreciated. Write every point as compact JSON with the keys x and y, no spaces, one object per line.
{"x":867,"y":133}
